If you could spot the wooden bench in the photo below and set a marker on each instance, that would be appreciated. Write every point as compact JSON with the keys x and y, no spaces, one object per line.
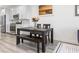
{"x":37,"y":40}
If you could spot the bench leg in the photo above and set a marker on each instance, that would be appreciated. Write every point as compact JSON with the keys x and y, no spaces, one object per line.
{"x":17,"y":40}
{"x":22,"y":41}
{"x":38,"y":47}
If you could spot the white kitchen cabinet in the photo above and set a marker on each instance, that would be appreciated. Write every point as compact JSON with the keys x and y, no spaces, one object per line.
{"x":24,"y":12}
{"x":18,"y":26}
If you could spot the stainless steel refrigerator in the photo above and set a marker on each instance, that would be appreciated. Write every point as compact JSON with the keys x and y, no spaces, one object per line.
{"x":3,"y":23}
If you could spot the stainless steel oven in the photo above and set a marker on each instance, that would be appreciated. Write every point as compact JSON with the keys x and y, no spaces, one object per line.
{"x":13,"y":27}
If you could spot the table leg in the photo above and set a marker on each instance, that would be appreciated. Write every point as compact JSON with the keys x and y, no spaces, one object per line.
{"x":37,"y":47}
{"x":17,"y":37}
{"x":43,"y":44}
{"x":30,"y":34}
{"x":17,"y":40}
{"x":52,"y":36}
{"x":78,"y":35}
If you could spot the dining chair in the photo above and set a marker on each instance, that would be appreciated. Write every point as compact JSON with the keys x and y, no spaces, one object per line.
{"x":38,"y":25}
{"x":36,"y":35}
{"x":47,"y":26}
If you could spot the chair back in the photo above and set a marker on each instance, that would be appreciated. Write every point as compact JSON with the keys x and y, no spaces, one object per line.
{"x":38,"y":25}
{"x":46,"y":26}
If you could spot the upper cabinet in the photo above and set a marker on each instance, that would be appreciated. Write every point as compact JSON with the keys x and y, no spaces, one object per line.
{"x":13,"y":12}
{"x":23,"y":11}
{"x":3,"y":12}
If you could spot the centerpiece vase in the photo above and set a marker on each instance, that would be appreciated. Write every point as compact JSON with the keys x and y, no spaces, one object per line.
{"x":35,"y":24}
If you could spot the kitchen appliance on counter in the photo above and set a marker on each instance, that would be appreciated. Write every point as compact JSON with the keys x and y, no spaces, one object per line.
{"x":16,"y":17}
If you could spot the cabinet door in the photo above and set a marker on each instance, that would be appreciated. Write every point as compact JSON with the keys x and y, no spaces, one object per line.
{"x":23,"y":13}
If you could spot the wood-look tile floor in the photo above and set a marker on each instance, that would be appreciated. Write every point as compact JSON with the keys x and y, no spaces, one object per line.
{"x":8,"y":45}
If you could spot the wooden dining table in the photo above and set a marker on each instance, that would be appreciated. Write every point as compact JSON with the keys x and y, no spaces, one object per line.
{"x":39,"y":30}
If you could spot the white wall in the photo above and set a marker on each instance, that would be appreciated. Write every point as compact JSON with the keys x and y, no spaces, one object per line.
{"x":63,"y":20}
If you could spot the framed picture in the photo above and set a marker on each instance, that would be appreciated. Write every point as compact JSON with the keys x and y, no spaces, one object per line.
{"x":76,"y":10}
{"x":45,"y":9}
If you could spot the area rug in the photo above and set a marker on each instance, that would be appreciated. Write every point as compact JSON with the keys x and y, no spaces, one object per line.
{"x":67,"y":48}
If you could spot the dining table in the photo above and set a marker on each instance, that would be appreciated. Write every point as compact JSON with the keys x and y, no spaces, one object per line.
{"x":38,"y":30}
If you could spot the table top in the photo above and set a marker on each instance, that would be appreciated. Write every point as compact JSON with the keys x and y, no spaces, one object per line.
{"x":34,"y":29}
